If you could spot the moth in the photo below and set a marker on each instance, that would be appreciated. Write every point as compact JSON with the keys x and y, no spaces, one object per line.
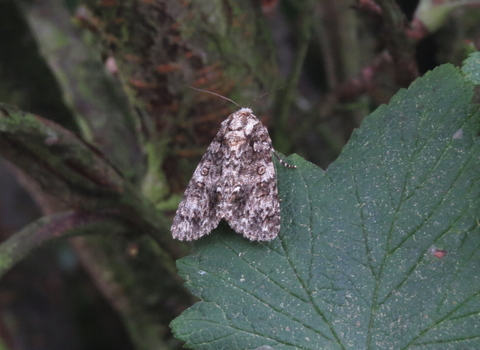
{"x":236,"y":181}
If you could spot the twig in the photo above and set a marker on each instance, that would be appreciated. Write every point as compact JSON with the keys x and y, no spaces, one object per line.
{"x":59,"y":225}
{"x":400,"y":46}
{"x":285,"y":96}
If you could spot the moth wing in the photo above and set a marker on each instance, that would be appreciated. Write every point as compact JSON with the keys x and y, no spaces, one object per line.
{"x":254,"y":208}
{"x":197,"y":213}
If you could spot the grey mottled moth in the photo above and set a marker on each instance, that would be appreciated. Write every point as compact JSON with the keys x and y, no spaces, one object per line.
{"x":236,"y":181}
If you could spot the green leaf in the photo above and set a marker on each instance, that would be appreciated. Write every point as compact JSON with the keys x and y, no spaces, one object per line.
{"x":381,"y":251}
{"x":471,"y":68}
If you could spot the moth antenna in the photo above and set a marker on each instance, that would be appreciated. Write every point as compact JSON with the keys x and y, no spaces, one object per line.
{"x":266,"y":93}
{"x":214,"y":93}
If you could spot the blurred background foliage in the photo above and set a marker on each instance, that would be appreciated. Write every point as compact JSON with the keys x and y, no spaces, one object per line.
{"x":115,"y":74}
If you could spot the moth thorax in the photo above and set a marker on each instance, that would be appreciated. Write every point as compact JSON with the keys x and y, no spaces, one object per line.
{"x":235,"y":140}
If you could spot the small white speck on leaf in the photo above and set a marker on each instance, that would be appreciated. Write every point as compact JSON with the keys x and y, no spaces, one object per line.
{"x":458,"y":134}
